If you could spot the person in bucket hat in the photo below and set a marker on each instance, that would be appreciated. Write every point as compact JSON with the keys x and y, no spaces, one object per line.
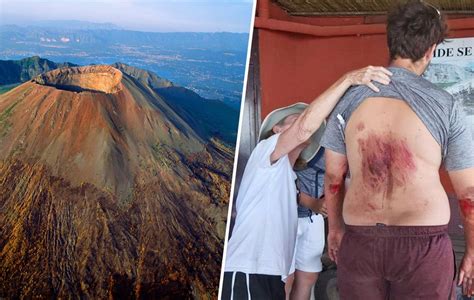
{"x":278,"y":116}
{"x":260,"y":250}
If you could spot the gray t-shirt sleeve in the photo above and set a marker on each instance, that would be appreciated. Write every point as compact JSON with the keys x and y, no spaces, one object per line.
{"x":333,"y":137}
{"x":460,"y":148}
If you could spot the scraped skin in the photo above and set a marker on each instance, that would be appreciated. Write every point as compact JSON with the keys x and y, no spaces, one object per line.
{"x":394,"y":166}
{"x":466,"y":204}
{"x":387,"y":162}
{"x":463,"y":183}
{"x":334,"y":188}
{"x":467,"y":207}
{"x":360,"y":126}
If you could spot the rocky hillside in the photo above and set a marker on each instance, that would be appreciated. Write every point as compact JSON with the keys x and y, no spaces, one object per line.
{"x":15,"y":71}
{"x":106,"y":192}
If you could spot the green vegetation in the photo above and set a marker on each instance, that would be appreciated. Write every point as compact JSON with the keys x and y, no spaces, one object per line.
{"x":165,"y":157}
{"x":14,"y":71}
{"x":125,"y":198}
{"x":8,"y":87}
{"x":159,"y":151}
{"x":4,"y":119}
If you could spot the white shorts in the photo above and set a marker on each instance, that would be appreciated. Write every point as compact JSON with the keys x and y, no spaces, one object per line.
{"x":309,"y":245}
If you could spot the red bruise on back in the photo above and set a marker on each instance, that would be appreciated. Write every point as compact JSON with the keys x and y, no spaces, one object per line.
{"x":387,"y":162}
{"x":360,"y":126}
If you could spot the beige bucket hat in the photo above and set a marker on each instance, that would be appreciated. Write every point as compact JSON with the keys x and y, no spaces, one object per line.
{"x":279,"y":114}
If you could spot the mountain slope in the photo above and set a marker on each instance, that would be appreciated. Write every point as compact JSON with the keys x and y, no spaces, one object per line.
{"x":105,"y":191}
{"x":212,"y":118}
{"x":209,"y":118}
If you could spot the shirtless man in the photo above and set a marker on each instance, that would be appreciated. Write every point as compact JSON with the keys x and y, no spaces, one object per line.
{"x":388,"y":231}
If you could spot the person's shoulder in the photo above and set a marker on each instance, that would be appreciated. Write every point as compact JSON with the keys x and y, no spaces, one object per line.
{"x":349,"y":99}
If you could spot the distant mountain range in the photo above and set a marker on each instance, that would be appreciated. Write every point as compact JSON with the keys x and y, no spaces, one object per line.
{"x":209,"y":118}
{"x":110,"y":188}
{"x":73,"y":24}
{"x":93,"y":34}
{"x":211,"y":64}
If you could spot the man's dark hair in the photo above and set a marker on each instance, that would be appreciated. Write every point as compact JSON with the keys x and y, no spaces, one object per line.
{"x":412,"y":28}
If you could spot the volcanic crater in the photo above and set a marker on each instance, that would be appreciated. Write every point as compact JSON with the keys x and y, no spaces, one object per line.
{"x":106,"y":192}
{"x":99,"y":79}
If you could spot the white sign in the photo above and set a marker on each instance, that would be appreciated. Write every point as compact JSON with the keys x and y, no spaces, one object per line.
{"x":452,"y":69}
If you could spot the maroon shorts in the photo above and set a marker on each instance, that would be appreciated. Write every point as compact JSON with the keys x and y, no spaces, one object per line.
{"x":396,"y":262}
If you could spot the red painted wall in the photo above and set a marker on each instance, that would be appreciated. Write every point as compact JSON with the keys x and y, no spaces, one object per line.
{"x":298,"y":67}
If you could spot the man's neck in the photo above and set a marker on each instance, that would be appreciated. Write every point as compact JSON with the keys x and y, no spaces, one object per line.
{"x":415,"y":67}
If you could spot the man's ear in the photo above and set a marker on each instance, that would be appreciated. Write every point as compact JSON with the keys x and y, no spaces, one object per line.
{"x":430,"y":52}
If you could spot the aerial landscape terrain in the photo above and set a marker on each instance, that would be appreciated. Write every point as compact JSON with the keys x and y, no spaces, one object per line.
{"x":115,"y":161}
{"x":211,"y":64}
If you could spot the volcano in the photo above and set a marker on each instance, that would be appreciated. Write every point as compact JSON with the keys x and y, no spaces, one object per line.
{"x":106,"y":192}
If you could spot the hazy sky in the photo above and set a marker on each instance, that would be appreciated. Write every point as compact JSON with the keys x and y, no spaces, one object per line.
{"x":142,"y":15}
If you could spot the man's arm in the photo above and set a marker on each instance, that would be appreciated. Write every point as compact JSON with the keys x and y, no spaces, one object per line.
{"x":313,"y":116}
{"x":463,"y":183}
{"x":336,"y":170}
{"x":315,"y":204}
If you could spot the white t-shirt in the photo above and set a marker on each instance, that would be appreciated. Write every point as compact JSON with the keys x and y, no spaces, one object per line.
{"x":263,"y":238}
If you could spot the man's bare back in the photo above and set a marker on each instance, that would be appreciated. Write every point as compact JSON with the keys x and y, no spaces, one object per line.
{"x":394,"y":166}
